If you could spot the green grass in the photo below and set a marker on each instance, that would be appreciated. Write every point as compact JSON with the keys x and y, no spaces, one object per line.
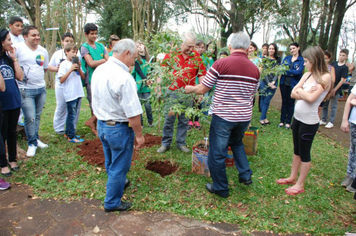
{"x":325,"y":207}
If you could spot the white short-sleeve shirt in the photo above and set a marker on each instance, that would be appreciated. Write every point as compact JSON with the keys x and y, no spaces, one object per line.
{"x":33,"y":63}
{"x":72,"y":87}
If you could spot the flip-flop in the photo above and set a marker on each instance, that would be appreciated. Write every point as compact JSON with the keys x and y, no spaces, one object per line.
{"x":295,"y":191}
{"x":284,"y":181}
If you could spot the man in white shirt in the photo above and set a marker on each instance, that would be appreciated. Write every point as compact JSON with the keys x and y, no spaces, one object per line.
{"x":118,"y":109}
{"x":16,"y":27}
{"x":33,"y":59}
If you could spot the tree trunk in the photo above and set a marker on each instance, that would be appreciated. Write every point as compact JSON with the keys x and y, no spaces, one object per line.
{"x":304,"y":25}
{"x":339,"y":14}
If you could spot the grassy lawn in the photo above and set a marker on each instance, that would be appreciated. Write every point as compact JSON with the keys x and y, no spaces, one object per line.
{"x":324,"y":208}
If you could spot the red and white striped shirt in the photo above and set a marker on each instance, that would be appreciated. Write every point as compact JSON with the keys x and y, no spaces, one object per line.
{"x":236,"y":79}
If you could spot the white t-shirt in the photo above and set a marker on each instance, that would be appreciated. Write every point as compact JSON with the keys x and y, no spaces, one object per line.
{"x":57,"y":58}
{"x":16,"y":39}
{"x":72,"y":87}
{"x":33,"y":64}
{"x":352,"y":118}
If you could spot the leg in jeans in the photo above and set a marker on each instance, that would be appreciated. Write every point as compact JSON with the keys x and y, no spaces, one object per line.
{"x":333,"y":111}
{"x":78,"y":113}
{"x":324,"y":116}
{"x":238,"y":149}
{"x":118,"y":144}
{"x":168,"y":129}
{"x":9,"y":133}
{"x":71,"y":113}
{"x":29,"y":111}
{"x":148,"y":107}
{"x":39,"y":102}
{"x":266,"y":100}
{"x":60,"y":113}
{"x":182,"y":129}
{"x":219,"y":135}
{"x":351,"y":165}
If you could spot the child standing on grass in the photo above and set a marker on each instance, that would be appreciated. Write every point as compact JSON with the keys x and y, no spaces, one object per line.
{"x":311,"y":90}
{"x":349,"y":125}
{"x":70,"y":76}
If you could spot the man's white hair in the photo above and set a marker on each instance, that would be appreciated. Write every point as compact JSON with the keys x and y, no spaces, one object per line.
{"x":124,"y":45}
{"x":239,"y":40}
{"x":188,"y":36}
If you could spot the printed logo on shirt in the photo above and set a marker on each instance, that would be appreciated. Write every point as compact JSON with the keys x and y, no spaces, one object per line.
{"x":6,"y":72}
{"x":40,"y":60}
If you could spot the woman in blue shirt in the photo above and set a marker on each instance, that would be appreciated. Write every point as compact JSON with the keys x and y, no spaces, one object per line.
{"x":295,"y":62}
{"x":10,"y":100}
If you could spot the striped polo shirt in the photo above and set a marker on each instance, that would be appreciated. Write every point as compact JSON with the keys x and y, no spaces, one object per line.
{"x":236,"y":79}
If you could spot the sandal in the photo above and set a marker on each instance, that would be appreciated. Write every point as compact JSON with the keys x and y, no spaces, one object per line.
{"x":262,"y":122}
{"x":284,"y":181}
{"x":294,"y":191}
{"x":280,"y":125}
{"x":287,"y":126}
{"x":8,"y":174}
{"x":267,"y":122}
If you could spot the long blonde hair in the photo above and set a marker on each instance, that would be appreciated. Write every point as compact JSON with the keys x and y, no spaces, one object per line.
{"x":315,"y":56}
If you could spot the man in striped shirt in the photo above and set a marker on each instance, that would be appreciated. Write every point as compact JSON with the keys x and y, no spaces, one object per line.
{"x":236,"y":79}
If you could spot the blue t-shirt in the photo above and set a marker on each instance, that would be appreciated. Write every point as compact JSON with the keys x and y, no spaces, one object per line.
{"x":10,"y":98}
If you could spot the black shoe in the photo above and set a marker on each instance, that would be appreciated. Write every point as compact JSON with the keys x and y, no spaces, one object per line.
{"x":127,"y":183}
{"x":209,"y":187}
{"x":123,"y":207}
{"x":245,"y":181}
{"x":8,"y":174}
{"x":16,"y":168}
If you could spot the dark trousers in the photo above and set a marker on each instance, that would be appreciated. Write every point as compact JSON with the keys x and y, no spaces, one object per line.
{"x":9,"y":133}
{"x":287,"y":108}
{"x":3,"y":161}
{"x":303,"y":136}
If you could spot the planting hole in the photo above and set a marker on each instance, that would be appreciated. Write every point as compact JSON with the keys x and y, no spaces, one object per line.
{"x":161,"y":167}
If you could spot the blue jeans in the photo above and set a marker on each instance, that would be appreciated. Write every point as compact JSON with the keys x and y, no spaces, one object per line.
{"x":267,"y":94}
{"x":144,"y":97}
{"x":182,"y":127}
{"x":72,"y":108}
{"x":118,"y":142}
{"x":333,"y":110}
{"x":222,"y":135}
{"x":287,"y":108}
{"x":32,"y":101}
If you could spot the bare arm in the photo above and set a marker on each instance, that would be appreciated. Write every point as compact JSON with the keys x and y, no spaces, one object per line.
{"x":135,"y":123}
{"x":197,"y":89}
{"x":345,"y":118}
{"x":342,"y":81}
{"x":94,"y":63}
{"x":53,"y":68}
{"x":66,"y":75}
{"x":201,"y":79}
{"x":332,"y":73}
{"x":17,"y":67}
{"x":2,"y":84}
{"x":314,"y":95}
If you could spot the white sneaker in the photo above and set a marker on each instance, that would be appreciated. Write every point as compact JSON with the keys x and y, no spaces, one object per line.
{"x":40,"y":144}
{"x":321,"y":122}
{"x":31,"y":151}
{"x":329,"y":125}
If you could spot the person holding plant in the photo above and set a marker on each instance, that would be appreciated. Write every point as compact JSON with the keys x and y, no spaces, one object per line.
{"x":295,"y":62}
{"x":269,"y":83}
{"x":60,"y":114}
{"x":10,"y":101}
{"x":140,"y":72}
{"x":185,"y":64}
{"x":232,"y":111}
{"x":311,"y":90}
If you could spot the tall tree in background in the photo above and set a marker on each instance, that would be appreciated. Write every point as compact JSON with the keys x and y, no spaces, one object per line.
{"x":304,"y":25}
